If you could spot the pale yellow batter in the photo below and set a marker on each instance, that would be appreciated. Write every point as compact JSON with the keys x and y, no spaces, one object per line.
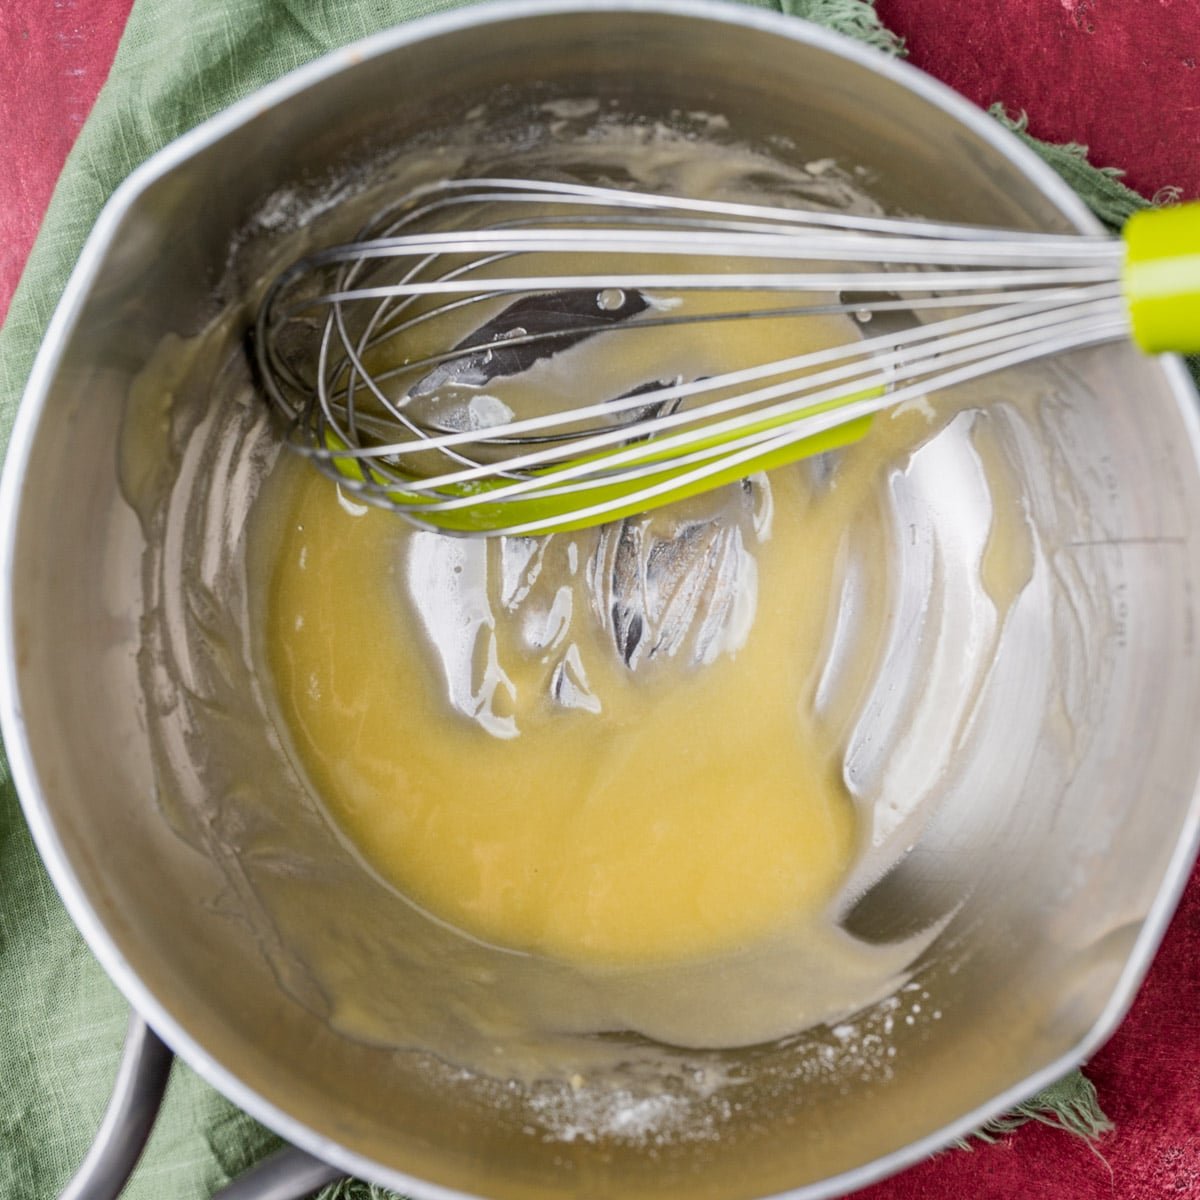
{"x":693,"y":812}
{"x":672,"y":814}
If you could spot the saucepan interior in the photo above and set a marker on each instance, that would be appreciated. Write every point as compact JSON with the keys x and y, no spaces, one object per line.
{"x":1067,"y":808}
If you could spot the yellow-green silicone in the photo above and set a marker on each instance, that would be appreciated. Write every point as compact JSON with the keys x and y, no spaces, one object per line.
{"x":1161,"y":278}
{"x":558,"y":513}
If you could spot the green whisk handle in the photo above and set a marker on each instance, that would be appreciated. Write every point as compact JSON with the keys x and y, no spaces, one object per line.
{"x":1161,"y":278}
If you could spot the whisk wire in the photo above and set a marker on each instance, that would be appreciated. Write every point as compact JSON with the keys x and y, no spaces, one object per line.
{"x":874,"y":355}
{"x":750,"y":449}
{"x":448,"y":250}
{"x":854,"y":380}
{"x":505,"y":190}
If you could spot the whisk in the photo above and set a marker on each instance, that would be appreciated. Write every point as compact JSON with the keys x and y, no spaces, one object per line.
{"x":359,"y":345}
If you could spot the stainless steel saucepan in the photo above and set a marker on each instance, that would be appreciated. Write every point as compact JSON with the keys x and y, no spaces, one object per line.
{"x":1068,"y":811}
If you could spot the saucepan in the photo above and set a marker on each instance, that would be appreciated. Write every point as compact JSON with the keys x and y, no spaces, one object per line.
{"x":1068,"y":811}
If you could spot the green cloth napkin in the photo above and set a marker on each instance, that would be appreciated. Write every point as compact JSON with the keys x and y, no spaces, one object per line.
{"x":61,"y":1020}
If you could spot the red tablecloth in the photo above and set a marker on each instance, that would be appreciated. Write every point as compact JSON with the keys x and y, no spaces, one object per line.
{"x":1119,"y":75}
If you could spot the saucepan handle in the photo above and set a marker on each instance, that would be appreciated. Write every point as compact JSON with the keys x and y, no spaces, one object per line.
{"x":136,"y":1098}
{"x":132,"y":1108}
{"x":288,"y":1174}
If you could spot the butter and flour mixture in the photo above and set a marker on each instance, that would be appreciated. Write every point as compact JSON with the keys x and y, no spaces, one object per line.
{"x":593,"y":804}
{"x":598,"y":746}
